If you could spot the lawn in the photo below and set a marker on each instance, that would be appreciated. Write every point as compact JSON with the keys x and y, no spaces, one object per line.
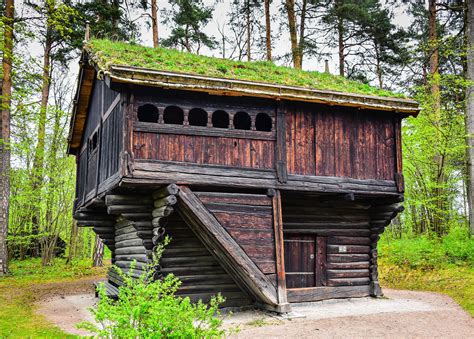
{"x":30,"y":282}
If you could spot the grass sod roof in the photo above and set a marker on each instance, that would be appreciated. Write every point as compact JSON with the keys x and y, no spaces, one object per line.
{"x":127,"y":61}
{"x":106,"y":53}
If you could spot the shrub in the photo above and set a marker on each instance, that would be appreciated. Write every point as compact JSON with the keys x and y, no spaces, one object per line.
{"x":150,"y":309}
{"x":459,"y":245}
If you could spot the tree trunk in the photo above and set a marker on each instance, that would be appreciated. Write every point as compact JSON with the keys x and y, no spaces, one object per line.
{"x":470,"y":108}
{"x":72,"y":242}
{"x":340,"y":40}
{"x":38,"y":162}
{"x":5,"y":132}
{"x":290,"y":9}
{"x":249,"y":33}
{"x":154,"y":22}
{"x":268,"y":30}
{"x":302,"y":33}
{"x":98,"y":256}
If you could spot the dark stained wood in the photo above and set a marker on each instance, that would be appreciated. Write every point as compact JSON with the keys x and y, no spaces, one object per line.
{"x":321,"y":261}
{"x":322,"y":293}
{"x":279,"y":247}
{"x":231,"y":256}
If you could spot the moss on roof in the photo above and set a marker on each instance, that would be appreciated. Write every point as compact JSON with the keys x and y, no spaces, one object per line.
{"x":106,"y":53}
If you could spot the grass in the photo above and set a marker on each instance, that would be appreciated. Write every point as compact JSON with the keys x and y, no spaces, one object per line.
{"x":105,"y":53}
{"x":30,"y":282}
{"x":429,"y":264}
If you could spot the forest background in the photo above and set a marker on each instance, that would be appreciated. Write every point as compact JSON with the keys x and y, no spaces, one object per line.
{"x":418,"y":48}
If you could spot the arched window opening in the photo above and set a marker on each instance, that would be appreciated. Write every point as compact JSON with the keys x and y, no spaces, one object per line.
{"x":263,"y":122}
{"x":220,"y":119}
{"x":147,"y":113}
{"x":242,"y":121}
{"x":197,"y":117}
{"x":173,"y":115}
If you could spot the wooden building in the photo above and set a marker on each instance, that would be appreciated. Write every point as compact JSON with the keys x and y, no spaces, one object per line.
{"x":271,"y":193}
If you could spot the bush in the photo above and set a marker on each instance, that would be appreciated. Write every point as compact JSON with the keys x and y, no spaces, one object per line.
{"x":150,"y":309}
{"x":459,"y":245}
{"x":424,"y":252}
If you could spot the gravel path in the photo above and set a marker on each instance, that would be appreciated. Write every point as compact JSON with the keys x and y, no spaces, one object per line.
{"x":399,"y":314}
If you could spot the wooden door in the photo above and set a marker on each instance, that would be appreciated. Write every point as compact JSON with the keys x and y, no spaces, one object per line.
{"x":305,"y":260}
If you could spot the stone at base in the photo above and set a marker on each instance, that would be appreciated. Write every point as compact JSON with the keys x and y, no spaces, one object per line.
{"x":375,"y":289}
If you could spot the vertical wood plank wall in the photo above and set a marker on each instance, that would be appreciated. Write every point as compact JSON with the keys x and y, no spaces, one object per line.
{"x":95,"y":167}
{"x":249,"y":220}
{"x":342,"y":142}
{"x":227,"y":151}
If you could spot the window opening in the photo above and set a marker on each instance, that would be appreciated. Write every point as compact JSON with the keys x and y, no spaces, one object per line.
{"x":173,"y":115}
{"x":242,"y":121}
{"x":197,"y":117}
{"x":220,"y":119}
{"x":147,"y":113}
{"x":263,"y":122}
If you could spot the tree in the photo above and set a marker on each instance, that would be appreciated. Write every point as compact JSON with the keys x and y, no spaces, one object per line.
{"x":297,"y":46}
{"x":188,"y":18}
{"x":6,"y":93}
{"x":154,"y":22}
{"x":268,"y":30}
{"x":470,"y":107}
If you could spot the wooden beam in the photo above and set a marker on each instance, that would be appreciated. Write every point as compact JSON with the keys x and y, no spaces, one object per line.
{"x":229,"y":254}
{"x":279,"y":248}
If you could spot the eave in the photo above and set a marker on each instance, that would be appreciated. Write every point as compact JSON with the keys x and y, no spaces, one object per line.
{"x":220,"y":86}
{"x":85,"y":84}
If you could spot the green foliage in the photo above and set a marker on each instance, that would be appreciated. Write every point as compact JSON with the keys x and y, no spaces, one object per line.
{"x":29,"y":282}
{"x":457,"y":281}
{"x":188,"y":18}
{"x":424,"y":252}
{"x":106,"y":53}
{"x":148,"y":308}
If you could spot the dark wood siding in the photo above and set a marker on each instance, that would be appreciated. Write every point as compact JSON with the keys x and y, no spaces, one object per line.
{"x":328,"y":141}
{"x":249,"y":220}
{"x":201,"y":275}
{"x":346,"y":226}
{"x":204,"y":150}
{"x":99,"y":157}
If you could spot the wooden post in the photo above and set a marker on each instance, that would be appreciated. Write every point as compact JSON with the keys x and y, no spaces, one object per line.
{"x":279,"y":249}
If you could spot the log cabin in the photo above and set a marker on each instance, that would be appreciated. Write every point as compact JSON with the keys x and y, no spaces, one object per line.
{"x":273,"y":184}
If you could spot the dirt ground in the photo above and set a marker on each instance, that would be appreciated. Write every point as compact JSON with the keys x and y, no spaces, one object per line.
{"x":399,"y":314}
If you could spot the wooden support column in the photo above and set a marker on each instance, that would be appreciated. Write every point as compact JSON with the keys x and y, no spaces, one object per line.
{"x":280,"y":149}
{"x":399,"y":179}
{"x":279,"y":248}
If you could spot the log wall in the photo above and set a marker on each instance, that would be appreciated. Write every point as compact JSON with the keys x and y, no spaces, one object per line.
{"x":346,"y":227}
{"x":201,"y":275}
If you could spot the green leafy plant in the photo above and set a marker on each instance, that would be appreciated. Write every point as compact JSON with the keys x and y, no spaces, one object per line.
{"x":148,"y":308}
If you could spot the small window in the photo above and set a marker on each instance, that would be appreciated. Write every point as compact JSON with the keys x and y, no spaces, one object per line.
{"x":220,"y":119}
{"x":263,"y":122}
{"x":197,"y":117}
{"x":173,"y":115}
{"x":242,"y":121}
{"x":93,"y":142}
{"x":147,"y":113}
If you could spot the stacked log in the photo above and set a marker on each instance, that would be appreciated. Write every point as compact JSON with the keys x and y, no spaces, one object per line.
{"x":163,"y":201}
{"x":381,"y":216}
{"x":102,"y":223}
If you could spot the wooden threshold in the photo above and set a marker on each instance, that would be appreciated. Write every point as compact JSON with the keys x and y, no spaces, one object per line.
{"x":296,"y":295}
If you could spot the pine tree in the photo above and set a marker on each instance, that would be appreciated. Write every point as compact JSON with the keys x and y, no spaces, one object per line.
{"x":6,"y":92}
{"x":188,"y":18}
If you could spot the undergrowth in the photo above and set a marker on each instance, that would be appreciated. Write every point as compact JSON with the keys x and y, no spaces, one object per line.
{"x":444,"y":265}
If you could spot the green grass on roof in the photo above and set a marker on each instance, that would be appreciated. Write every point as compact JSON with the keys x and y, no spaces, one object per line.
{"x":106,"y":53}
